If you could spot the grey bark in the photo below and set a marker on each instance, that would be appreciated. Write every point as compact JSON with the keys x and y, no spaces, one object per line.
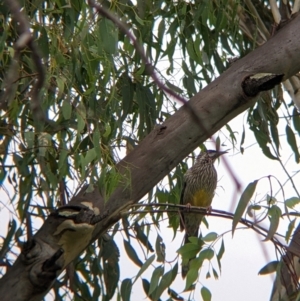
{"x":67,"y":232}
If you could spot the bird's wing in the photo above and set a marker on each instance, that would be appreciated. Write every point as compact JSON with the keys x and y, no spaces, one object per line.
{"x":182,"y":193}
{"x":182,"y":227}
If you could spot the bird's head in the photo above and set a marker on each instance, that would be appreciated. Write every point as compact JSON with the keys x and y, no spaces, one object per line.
{"x":210,"y":156}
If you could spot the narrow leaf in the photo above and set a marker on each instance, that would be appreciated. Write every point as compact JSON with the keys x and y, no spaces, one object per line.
{"x":174,"y":295}
{"x":296,"y":120}
{"x":140,"y":235}
{"x":290,"y":230}
{"x":206,"y":294}
{"x":242,"y":140}
{"x":132,"y":254}
{"x":126,"y":287}
{"x":189,"y":250}
{"x":165,"y":282}
{"x":220,"y":254}
{"x":145,"y":266}
{"x":274,"y":215}
{"x":206,"y":254}
{"x":210,"y":237}
{"x":292,"y":202}
{"x":158,"y":272}
{"x":292,"y":142}
{"x":243,"y":202}
{"x":146,"y":286}
{"x":191,"y":277}
{"x":216,"y":275}
{"x":275,"y":135}
{"x":269,"y":268}
{"x":160,"y":249}
{"x":66,"y":109}
{"x":8,"y":239}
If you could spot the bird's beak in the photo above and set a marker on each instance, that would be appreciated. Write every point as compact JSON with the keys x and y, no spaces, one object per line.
{"x":217,"y":154}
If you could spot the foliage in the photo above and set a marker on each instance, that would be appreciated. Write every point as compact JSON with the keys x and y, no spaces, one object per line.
{"x":101,"y":102}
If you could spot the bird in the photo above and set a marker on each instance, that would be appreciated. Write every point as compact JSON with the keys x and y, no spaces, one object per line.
{"x":200,"y":182}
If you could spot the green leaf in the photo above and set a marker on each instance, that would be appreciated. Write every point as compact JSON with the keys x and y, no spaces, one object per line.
{"x":189,"y":250}
{"x":243,"y":202}
{"x":60,"y":85}
{"x":269,"y":268}
{"x":145,"y":266}
{"x":174,"y":295}
{"x":219,"y":62}
{"x":156,"y":275}
{"x":108,"y":36}
{"x":127,"y":92}
{"x":107,"y":130}
{"x":290,"y":229}
{"x":252,"y":207}
{"x":146,"y":286}
{"x":174,"y":88}
{"x":63,"y":162}
{"x":89,"y":157}
{"x":29,"y":138}
{"x":165,"y":282}
{"x":174,"y":271}
{"x":139,"y":20}
{"x":210,"y":237}
{"x":161,"y":31}
{"x":262,"y":139}
{"x":126,"y":287}
{"x":66,"y":109}
{"x":216,"y":275}
{"x":132,"y":254}
{"x":160,"y":249}
{"x":96,"y":143}
{"x":81,"y":115}
{"x":191,"y":277}
{"x":140,"y":235}
{"x":274,"y":216}
{"x":206,"y":254}
{"x":220,"y":254}
{"x":296,"y":120}
{"x":231,"y":134}
{"x":292,"y":142}
{"x":292,"y":202}
{"x":12,"y":225}
{"x":275,"y":136}
{"x":205,"y":293}
{"x":242,"y":140}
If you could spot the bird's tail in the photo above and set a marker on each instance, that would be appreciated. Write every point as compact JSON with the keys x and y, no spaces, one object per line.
{"x":186,"y":266}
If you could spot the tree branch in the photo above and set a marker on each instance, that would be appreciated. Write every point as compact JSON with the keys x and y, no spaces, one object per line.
{"x":25,"y":40}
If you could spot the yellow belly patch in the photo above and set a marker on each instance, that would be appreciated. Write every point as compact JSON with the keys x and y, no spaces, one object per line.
{"x":201,"y":199}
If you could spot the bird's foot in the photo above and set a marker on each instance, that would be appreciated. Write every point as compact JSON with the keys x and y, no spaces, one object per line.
{"x":188,"y":207}
{"x":208,"y":209}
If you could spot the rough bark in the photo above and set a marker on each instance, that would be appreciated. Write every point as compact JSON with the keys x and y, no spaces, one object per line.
{"x":69,"y":230}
